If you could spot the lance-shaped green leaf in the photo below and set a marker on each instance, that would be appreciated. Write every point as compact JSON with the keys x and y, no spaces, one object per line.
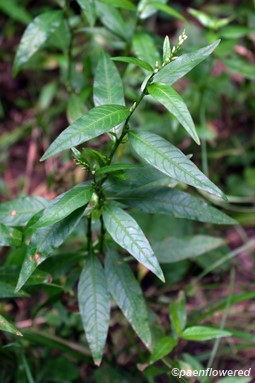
{"x":135,"y":61}
{"x":35,"y":35}
{"x":174,"y":103}
{"x":43,"y":243}
{"x":97,"y":121}
{"x":113,"y":20}
{"x":183,"y":64}
{"x":125,"y":4}
{"x":13,"y":9}
{"x":10,"y":236}
{"x":178,"y":314}
{"x":65,"y":204}
{"x":126,"y":232}
{"x":200,"y":333}
{"x":88,"y":6}
{"x":8,"y":327}
{"x":145,"y":48}
{"x":128,"y":295}
{"x":94,"y":305}
{"x":162,"y":348}
{"x":166,"y":49}
{"x":170,"y":160}
{"x":8,"y":291}
{"x":177,"y":249}
{"x":19,"y":211}
{"x":163,"y":200}
{"x":108,"y":88}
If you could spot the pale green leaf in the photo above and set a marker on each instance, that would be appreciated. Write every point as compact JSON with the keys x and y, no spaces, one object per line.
{"x":171,"y":161}
{"x":168,"y":10}
{"x":10,"y":236}
{"x":126,"y":232}
{"x":174,"y":103}
{"x":8,"y":327}
{"x":15,"y":11}
{"x":94,"y":305}
{"x":133,"y":60}
{"x":114,"y":168}
{"x":146,"y":9}
{"x":75,"y":108}
{"x":125,"y":4}
{"x":65,"y":204}
{"x":35,"y":35}
{"x":43,"y":243}
{"x":127,"y":294}
{"x":145,"y":49}
{"x":162,"y":348}
{"x":89,"y":9}
{"x":97,"y":121}
{"x":164,"y":200}
{"x":8,"y":291}
{"x":19,"y":211}
{"x":108,"y":88}
{"x":201,"y":333}
{"x":176,"y":249}
{"x":183,"y":64}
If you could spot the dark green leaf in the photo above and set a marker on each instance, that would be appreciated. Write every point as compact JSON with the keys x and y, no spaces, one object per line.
{"x":94,"y":305}
{"x":7,"y":326}
{"x":35,"y":35}
{"x":162,"y":348}
{"x":19,"y":211}
{"x":65,"y":204}
{"x":43,"y":243}
{"x":135,"y":61}
{"x":127,"y":294}
{"x":114,"y":168}
{"x":88,"y":6}
{"x":166,"y":49}
{"x":174,"y":103}
{"x":201,"y":333}
{"x":145,"y":48}
{"x":108,"y":88}
{"x":113,"y":20}
{"x":126,"y":232}
{"x":171,"y":161}
{"x":164,"y":200}
{"x":75,"y":108}
{"x":176,"y":249}
{"x":10,"y":236}
{"x":183,"y":64}
{"x":92,"y":124}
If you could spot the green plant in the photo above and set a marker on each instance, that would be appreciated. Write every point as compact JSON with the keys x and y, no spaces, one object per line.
{"x":112,"y":186}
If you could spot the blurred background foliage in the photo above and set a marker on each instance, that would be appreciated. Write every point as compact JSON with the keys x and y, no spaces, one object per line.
{"x":37,"y":104}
